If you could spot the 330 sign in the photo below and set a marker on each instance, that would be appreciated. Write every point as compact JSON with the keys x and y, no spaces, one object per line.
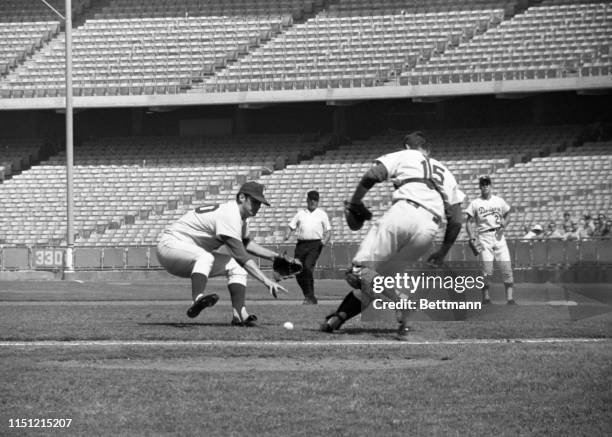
{"x":48,"y":257}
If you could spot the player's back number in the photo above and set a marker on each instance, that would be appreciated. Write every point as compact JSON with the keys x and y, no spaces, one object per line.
{"x":434,"y":172}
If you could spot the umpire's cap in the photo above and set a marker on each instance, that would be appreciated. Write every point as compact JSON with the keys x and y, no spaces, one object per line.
{"x":415,"y":140}
{"x":254,"y":190}
{"x":484,"y":180}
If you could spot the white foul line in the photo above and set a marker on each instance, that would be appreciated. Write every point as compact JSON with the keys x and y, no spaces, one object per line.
{"x":288,"y":343}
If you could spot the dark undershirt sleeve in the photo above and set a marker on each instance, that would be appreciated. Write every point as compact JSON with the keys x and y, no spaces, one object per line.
{"x":376,"y":173}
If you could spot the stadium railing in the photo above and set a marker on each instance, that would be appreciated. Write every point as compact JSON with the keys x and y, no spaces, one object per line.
{"x":526,"y":254}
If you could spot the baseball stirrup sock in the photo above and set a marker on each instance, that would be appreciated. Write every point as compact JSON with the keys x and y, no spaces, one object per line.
{"x":351,"y":306}
{"x":198,"y":284}
{"x":237,"y":295}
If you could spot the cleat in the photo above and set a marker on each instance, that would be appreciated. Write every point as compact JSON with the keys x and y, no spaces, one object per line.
{"x":249,"y":322}
{"x":402,"y":331}
{"x":332,"y":323}
{"x":204,"y":302}
{"x":310,"y":301}
{"x":511,"y":302}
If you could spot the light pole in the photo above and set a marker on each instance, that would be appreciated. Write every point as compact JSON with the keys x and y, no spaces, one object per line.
{"x":69,"y":267}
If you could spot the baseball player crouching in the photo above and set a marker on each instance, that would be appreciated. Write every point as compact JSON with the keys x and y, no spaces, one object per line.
{"x":487,"y":216}
{"x":188,"y":248}
{"x":424,"y":190}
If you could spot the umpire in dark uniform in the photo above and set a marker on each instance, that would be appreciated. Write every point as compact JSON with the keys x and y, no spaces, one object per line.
{"x":313,"y":231}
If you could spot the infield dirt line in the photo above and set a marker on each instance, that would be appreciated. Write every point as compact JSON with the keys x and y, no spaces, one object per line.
{"x":288,"y":343}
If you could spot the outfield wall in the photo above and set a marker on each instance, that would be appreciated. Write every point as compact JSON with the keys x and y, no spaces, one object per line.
{"x":533,"y":261}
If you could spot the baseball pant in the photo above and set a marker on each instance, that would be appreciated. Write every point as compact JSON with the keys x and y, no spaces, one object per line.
{"x":495,"y":248}
{"x":400,"y":237}
{"x":183,"y":258}
{"x":307,"y":251}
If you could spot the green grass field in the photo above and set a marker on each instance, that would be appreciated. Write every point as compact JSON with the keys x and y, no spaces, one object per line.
{"x":122,"y":358}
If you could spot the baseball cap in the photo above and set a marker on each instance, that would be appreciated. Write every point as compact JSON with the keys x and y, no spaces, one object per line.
{"x":254,"y":190}
{"x":313,"y":195}
{"x":484,"y":180}
{"x":537,"y":228}
{"x":415,"y":139}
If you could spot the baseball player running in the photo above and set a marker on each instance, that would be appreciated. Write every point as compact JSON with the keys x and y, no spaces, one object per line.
{"x":487,"y":216}
{"x":424,"y":190}
{"x":188,"y":248}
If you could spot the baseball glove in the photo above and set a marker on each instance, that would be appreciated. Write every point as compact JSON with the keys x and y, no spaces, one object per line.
{"x":476,"y":246}
{"x":284,"y":266}
{"x":356,"y":214}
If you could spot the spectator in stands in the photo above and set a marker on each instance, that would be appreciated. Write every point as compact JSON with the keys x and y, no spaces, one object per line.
{"x":552,"y":232}
{"x":567,"y":221}
{"x":313,"y":232}
{"x":572,"y":233}
{"x":534,"y":233}
{"x":598,"y":227}
{"x":584,"y":232}
{"x":606,"y":233}
{"x":588,"y":219}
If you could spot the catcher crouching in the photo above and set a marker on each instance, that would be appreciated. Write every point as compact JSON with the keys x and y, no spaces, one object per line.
{"x":214,"y":240}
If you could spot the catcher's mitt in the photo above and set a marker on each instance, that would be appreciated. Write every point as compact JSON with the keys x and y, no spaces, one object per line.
{"x":356,"y":214}
{"x":476,"y":246}
{"x":284,"y":266}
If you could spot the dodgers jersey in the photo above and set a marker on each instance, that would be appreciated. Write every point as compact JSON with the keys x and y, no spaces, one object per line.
{"x":488,"y":213}
{"x":410,"y":163}
{"x":205,"y":224}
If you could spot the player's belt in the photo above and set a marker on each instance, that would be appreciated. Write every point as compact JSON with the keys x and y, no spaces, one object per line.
{"x":436,"y":218}
{"x":489,"y":230}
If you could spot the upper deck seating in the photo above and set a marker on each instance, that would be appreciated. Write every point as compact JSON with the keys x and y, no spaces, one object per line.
{"x":148,"y":47}
{"x":544,"y":42}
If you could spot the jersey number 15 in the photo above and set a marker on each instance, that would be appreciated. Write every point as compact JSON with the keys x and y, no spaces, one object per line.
{"x":434,"y":172}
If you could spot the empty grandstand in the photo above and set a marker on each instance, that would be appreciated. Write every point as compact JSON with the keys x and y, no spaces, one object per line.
{"x":141,"y":48}
{"x":298,"y":94}
{"x":129,"y":189}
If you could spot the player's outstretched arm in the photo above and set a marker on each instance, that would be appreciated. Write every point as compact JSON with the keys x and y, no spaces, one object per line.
{"x":377,"y":173}
{"x":256,"y":249}
{"x":273,"y":287}
{"x":453,"y":227}
{"x":240,"y":253}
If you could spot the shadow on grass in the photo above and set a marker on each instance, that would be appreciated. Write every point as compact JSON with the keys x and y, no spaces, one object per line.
{"x":359,"y":331}
{"x":183,"y":324}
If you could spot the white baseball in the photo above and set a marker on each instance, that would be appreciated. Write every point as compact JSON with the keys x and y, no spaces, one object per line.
{"x":288,"y":325}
